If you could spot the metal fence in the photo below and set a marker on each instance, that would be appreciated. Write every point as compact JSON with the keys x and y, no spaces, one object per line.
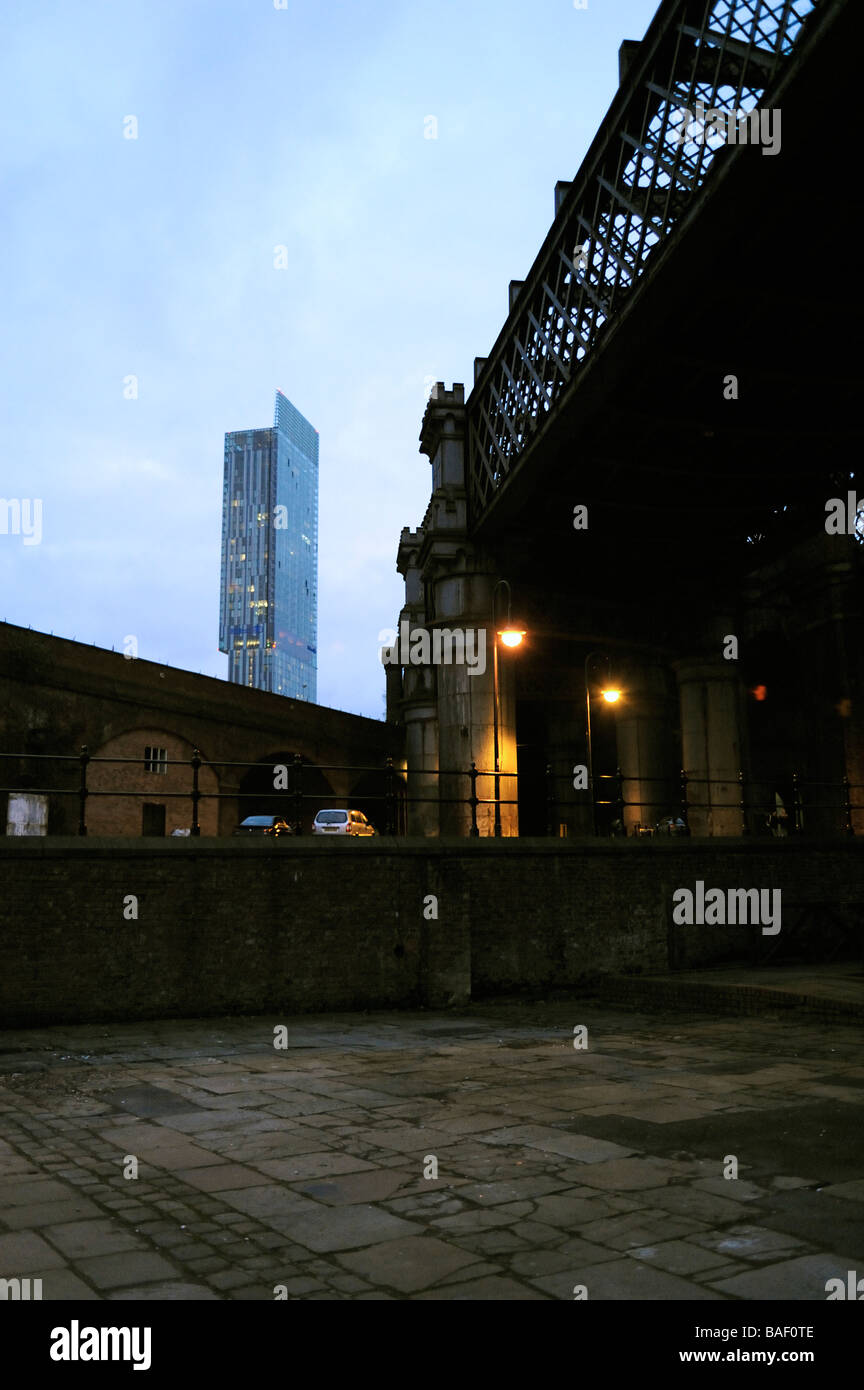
{"x":808,"y":796}
{"x":398,"y":794}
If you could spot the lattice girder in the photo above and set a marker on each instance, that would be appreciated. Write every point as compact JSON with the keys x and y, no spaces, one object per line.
{"x":648,"y":163}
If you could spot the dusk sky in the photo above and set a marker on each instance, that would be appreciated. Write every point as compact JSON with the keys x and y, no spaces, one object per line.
{"x":260,"y":128}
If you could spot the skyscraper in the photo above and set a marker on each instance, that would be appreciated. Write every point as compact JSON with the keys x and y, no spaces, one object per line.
{"x":268,"y":611}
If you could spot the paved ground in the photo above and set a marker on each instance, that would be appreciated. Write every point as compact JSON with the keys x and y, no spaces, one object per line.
{"x":557,"y":1166}
{"x":841,"y":982}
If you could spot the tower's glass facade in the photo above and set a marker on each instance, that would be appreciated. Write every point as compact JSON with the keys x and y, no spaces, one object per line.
{"x":268,"y":612}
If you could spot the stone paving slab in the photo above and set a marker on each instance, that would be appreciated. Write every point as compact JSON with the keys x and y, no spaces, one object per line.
{"x":580,"y":1146}
{"x":410,"y":1264}
{"x":751,"y":1243}
{"x":624,"y":1279}
{"x":456,"y":1157}
{"x":314,"y":1165}
{"x":78,"y":1239}
{"x":218,"y":1179}
{"x":854,"y":1190}
{"x":126,"y":1267}
{"x":678,"y":1257}
{"x":346,"y":1228}
{"x":492,"y":1289}
{"x":800,"y":1279}
{"x":24,"y":1252}
{"x":175,"y":1292}
{"x":40,"y":1214}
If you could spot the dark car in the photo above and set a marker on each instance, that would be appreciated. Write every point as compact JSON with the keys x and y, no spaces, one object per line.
{"x":264,"y":825}
{"x":671,"y":825}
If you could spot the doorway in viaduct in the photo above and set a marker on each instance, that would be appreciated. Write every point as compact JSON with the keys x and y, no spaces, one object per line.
{"x":271,"y":787}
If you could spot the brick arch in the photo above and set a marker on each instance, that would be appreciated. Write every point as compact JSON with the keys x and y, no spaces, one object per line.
{"x":125,"y":814}
{"x":56,"y":695}
{"x":371,"y":794}
{"x":258,"y":796}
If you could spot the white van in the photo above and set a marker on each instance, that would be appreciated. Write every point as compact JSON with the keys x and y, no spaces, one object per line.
{"x":342,"y":822}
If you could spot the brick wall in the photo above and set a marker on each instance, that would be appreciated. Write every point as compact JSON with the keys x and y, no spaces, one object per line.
{"x":243,"y":927}
{"x":122,"y":815}
{"x":56,"y":695}
{"x":566,"y":914}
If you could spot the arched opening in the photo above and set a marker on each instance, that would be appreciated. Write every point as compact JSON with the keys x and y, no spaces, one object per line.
{"x":140,"y":783}
{"x":381,"y":798}
{"x":278,"y":786}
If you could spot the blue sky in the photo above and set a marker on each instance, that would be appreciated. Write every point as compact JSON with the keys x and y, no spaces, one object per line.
{"x":259,"y":127}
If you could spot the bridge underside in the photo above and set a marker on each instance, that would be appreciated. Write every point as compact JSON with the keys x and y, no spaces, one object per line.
{"x":704,"y":435}
{"x":676,"y":477}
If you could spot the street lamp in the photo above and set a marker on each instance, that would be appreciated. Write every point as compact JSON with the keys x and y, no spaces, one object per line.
{"x":511,"y":637}
{"x":611,"y":694}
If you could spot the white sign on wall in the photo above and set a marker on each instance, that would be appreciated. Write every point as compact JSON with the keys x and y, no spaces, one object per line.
{"x":27,"y":814}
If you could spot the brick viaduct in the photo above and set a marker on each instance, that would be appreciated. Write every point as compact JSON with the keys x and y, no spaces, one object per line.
{"x":57,"y":695}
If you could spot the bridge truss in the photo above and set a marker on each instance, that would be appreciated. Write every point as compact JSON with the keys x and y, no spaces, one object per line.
{"x":644,"y":174}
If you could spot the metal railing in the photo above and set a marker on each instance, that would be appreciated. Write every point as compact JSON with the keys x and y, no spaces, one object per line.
{"x":396,"y":791}
{"x":751,"y":812}
{"x":641,"y":175}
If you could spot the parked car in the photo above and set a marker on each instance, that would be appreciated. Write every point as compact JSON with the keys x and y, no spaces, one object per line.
{"x":264,"y":825}
{"x":342,"y":822}
{"x":671,"y":825}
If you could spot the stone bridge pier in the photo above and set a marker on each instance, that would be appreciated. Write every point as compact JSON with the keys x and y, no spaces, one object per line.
{"x":441,"y":681}
{"x":646,"y":744}
{"x":689,"y":704}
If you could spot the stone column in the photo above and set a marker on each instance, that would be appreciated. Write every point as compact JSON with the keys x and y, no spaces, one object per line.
{"x":460,"y":580}
{"x":418,"y":704}
{"x":648,"y":753}
{"x":448,"y":694}
{"x":713,"y":743}
{"x":466,"y":708}
{"x":565,"y":751}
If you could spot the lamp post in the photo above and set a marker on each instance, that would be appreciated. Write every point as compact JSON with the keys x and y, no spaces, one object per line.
{"x":511,"y":637}
{"x":611,"y":695}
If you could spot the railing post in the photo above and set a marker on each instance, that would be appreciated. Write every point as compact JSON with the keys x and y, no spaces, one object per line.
{"x":796,"y":802}
{"x":685,"y":804}
{"x":196,"y":793}
{"x":742,"y":801}
{"x":550,"y":801}
{"x":298,"y":794}
{"x":390,"y":800}
{"x":847,"y":803}
{"x":619,"y":798}
{"x":82,"y":791}
{"x":475,"y":829}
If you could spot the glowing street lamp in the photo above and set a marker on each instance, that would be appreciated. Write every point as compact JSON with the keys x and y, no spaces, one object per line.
{"x":511,"y":637}
{"x":611,"y":694}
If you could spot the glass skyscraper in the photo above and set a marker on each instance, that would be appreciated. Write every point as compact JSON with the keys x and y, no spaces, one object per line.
{"x":268,"y":611}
